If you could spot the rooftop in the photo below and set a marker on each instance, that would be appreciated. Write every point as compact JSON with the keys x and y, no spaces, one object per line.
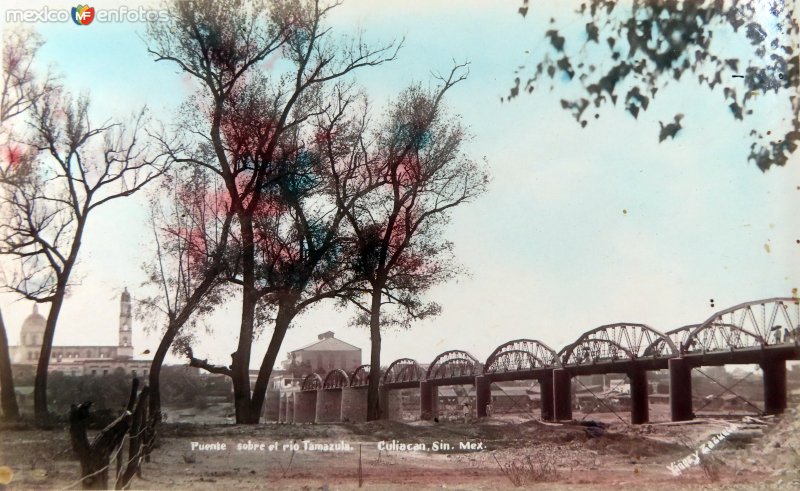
{"x":328,"y":343}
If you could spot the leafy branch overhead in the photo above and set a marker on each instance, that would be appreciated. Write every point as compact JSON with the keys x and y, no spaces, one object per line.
{"x":627,"y":52}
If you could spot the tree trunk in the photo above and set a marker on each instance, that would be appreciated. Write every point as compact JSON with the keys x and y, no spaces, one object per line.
{"x":282,"y":322}
{"x":241,"y":364}
{"x":173,"y":328}
{"x":8,"y":398}
{"x":41,"y":415}
{"x":241,"y":358}
{"x":154,"y":378}
{"x":154,"y":381}
{"x":136,"y":448}
{"x":40,"y":412}
{"x":95,"y":457}
{"x":373,"y":402}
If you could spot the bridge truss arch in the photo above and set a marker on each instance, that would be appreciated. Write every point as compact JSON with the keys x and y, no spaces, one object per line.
{"x":592,"y":351}
{"x":336,"y":379}
{"x":453,"y":364}
{"x":403,"y":370}
{"x":720,"y":337}
{"x":360,"y":376}
{"x":620,"y":341}
{"x":768,"y":322}
{"x":312,"y":382}
{"x":521,"y":355}
{"x":678,"y":337}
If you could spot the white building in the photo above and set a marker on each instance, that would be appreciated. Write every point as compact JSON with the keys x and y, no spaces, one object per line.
{"x":81,"y":360}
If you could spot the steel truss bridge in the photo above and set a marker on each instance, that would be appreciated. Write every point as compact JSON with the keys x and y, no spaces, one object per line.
{"x":763,"y":332}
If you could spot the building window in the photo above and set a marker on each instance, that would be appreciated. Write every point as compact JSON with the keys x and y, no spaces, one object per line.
{"x":94,"y":372}
{"x":105,"y":372}
{"x":145,"y":372}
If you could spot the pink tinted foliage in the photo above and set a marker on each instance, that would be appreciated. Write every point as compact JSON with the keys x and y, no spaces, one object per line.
{"x":247,"y":125}
{"x":408,"y":170}
{"x":12,"y":155}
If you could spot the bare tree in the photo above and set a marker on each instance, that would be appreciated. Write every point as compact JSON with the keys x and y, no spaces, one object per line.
{"x":251,"y":117}
{"x":191,"y":227}
{"x":398,"y":248}
{"x":74,"y":168}
{"x":21,"y":85}
{"x":21,"y":88}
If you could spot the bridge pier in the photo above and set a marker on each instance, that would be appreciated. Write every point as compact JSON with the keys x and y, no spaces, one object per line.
{"x":329,"y":406}
{"x":272,"y":405}
{"x":290,"y":408}
{"x":281,"y":408}
{"x":640,"y":404}
{"x":774,"y":372}
{"x":428,"y":400}
{"x":562,"y":394}
{"x":680,"y":389}
{"x":354,"y":404}
{"x":392,"y":404}
{"x":305,"y":406}
{"x":546,"y":386}
{"x":483,"y":394}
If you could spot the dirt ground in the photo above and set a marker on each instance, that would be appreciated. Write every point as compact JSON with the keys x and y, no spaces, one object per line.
{"x":761,"y":454}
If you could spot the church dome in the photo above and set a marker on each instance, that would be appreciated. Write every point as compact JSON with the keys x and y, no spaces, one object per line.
{"x":33,"y":328}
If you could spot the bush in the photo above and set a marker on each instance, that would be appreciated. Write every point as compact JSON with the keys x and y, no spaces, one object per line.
{"x":525,"y":471}
{"x":183,"y":386}
{"x":106,"y":392}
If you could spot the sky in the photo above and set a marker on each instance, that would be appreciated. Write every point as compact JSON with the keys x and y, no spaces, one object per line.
{"x":580,"y":227}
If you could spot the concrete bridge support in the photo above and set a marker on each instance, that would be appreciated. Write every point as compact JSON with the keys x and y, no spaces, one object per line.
{"x":329,"y":406}
{"x":774,"y":386}
{"x":354,"y":404}
{"x":305,"y":406}
{"x":393,"y":407}
{"x":383,"y":402}
{"x":640,"y":403}
{"x":546,"y":386}
{"x":562,"y":394}
{"x":680,"y":389}
{"x":272,"y":405}
{"x":483,"y":394}
{"x":428,"y":400}
{"x":281,"y":408}
{"x":289,"y":408}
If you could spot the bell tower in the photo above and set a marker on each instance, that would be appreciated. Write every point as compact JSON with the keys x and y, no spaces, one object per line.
{"x":125,"y":349}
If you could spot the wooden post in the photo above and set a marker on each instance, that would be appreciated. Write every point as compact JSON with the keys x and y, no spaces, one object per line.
{"x":95,"y":457}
